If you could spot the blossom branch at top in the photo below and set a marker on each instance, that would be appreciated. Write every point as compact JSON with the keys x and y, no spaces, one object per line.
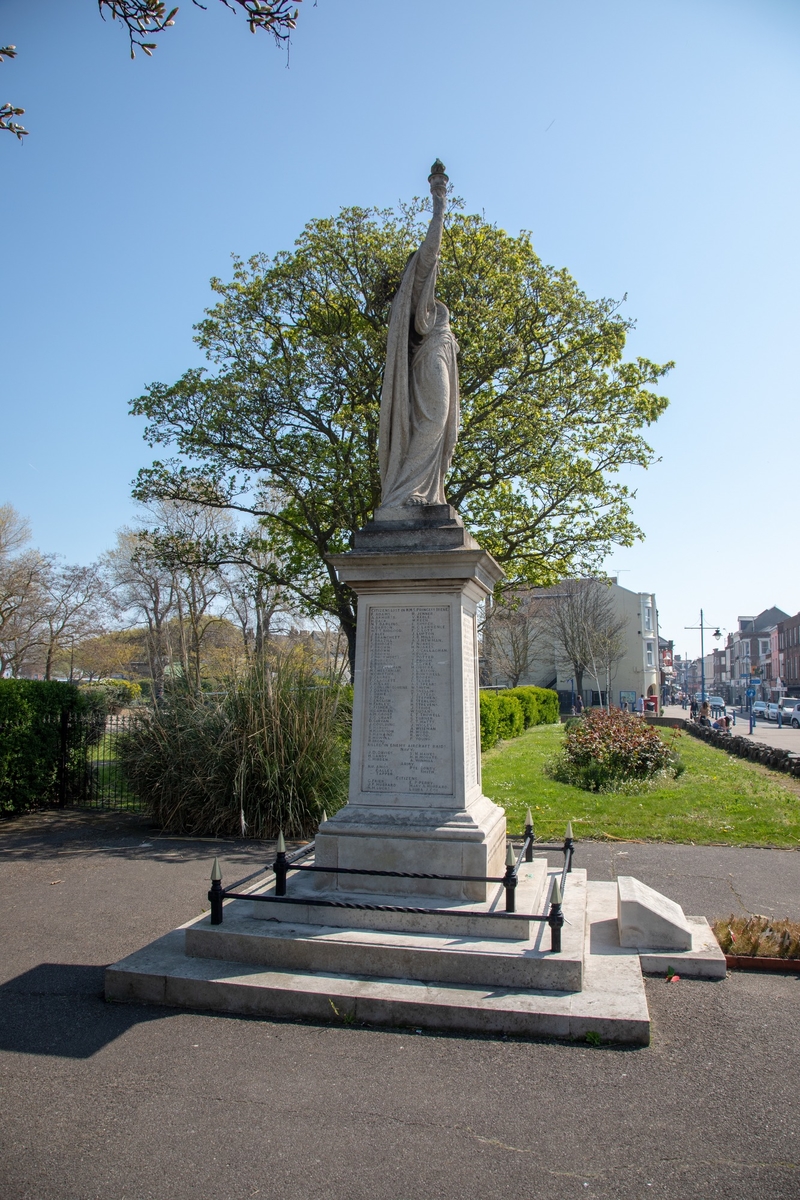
{"x":8,"y":110}
{"x":148,"y":18}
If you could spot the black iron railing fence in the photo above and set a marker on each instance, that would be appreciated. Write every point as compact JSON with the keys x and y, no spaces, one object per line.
{"x":65,"y":760}
{"x":288,"y":863}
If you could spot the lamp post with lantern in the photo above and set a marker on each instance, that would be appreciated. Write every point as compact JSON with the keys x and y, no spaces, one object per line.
{"x":716,"y":634}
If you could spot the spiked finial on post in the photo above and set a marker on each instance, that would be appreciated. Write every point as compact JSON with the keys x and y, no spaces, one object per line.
{"x":569,"y":831}
{"x":555,"y":918}
{"x":215,"y":894}
{"x":510,"y":879}
{"x":324,"y":817}
{"x":529,"y":835}
{"x":280,"y":866}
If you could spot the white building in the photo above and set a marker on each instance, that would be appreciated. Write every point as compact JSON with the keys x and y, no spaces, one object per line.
{"x":636,"y":674}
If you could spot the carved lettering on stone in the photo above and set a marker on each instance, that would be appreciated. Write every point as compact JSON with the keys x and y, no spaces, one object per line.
{"x":470,"y":667}
{"x":408,"y":742}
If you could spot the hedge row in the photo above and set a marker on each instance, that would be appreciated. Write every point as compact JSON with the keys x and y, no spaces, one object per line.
{"x":742,"y":747}
{"x":505,"y":714}
{"x":43,"y":735}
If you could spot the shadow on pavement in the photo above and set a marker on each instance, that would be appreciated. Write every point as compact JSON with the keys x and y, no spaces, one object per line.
{"x":51,"y":834}
{"x":58,"y":1009}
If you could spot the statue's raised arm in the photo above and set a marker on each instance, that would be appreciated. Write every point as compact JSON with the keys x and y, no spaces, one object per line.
{"x":419,"y":402}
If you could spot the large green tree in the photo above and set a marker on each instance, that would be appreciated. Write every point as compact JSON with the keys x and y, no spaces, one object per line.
{"x":285,"y":424}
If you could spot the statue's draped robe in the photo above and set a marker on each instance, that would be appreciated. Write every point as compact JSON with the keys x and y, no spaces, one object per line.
{"x":419,"y":403}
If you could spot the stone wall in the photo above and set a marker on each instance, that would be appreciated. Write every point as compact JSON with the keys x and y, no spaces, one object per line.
{"x":742,"y":747}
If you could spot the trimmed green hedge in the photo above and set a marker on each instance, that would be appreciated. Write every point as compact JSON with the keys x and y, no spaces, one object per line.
{"x":505,"y":714}
{"x":41,"y":739}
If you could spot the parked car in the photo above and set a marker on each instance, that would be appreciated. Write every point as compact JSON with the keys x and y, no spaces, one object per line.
{"x":759,"y":708}
{"x":772,"y":711}
{"x":717,"y":706}
{"x":790,"y":711}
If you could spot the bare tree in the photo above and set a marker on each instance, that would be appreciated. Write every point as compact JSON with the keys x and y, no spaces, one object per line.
{"x":144,"y":589}
{"x":15,"y":530}
{"x":71,"y":599}
{"x":255,"y":600}
{"x":586,"y":633}
{"x":184,"y":539}
{"x":513,"y":630}
{"x":21,"y":602}
{"x":22,"y":572}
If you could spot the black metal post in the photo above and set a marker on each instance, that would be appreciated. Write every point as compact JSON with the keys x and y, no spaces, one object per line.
{"x":63,"y":757}
{"x":569,"y":847}
{"x":556,"y":917}
{"x":215,"y":894}
{"x":279,"y":867}
{"x":529,"y":836}
{"x":510,"y":881}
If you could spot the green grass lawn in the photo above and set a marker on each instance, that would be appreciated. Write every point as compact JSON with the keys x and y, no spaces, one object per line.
{"x":718,"y":798}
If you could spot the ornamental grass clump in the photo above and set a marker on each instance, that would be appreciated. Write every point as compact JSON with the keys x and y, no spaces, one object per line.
{"x":758,"y":937}
{"x":612,"y":752}
{"x":270,"y":754}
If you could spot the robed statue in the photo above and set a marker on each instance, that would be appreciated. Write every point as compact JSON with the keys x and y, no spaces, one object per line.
{"x":419,"y":402}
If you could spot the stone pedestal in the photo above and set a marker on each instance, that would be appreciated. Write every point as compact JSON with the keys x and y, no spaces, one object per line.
{"x":415,"y":800}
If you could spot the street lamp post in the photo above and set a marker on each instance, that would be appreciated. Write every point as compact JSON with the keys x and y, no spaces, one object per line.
{"x":717,"y":634}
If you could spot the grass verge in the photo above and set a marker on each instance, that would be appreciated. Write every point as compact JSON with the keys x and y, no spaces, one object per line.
{"x":718,"y":799}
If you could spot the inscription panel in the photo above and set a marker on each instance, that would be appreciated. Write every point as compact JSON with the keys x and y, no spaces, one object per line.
{"x":470,"y":668}
{"x":408,"y":736}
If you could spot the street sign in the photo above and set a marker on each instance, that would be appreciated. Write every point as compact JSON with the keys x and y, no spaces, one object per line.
{"x":755,"y":681}
{"x":751,"y":692}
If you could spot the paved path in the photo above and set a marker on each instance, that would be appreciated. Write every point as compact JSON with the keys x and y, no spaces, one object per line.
{"x":115,"y":1101}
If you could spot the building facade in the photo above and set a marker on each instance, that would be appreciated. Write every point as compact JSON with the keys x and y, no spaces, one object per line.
{"x":640,"y":671}
{"x":789,"y":654}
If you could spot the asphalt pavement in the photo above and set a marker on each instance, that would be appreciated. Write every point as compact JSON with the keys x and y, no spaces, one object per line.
{"x":103,"y":1100}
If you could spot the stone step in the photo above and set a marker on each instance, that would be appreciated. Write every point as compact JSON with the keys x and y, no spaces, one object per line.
{"x":611,"y":1004}
{"x":392,"y":954}
{"x":454,"y":917}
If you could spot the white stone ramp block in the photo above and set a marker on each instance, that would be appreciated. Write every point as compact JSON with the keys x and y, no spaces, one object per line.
{"x":649,"y":921}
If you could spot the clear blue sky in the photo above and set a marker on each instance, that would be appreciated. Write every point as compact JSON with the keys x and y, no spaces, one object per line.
{"x":651,"y":148}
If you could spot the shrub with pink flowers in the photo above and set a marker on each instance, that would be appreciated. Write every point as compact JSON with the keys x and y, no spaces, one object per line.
{"x":612,"y":751}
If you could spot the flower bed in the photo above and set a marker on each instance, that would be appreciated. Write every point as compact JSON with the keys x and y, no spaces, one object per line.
{"x":759,"y":943}
{"x":612,"y":751}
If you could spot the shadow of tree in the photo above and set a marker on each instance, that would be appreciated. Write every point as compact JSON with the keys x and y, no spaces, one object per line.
{"x":51,"y":834}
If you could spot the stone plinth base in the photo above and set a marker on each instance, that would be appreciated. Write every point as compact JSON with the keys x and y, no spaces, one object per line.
{"x":458,"y":842}
{"x":415,"y":800}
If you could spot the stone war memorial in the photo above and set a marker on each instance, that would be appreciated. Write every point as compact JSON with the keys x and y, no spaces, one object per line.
{"x":411,"y":907}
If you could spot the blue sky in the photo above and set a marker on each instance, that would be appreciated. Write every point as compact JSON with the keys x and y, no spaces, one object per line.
{"x":651,"y":148}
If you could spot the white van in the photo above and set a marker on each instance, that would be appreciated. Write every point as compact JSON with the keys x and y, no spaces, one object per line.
{"x":790,"y":711}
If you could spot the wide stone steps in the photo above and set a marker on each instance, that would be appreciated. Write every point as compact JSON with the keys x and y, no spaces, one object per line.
{"x":396,"y":954}
{"x":611,"y":1003}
